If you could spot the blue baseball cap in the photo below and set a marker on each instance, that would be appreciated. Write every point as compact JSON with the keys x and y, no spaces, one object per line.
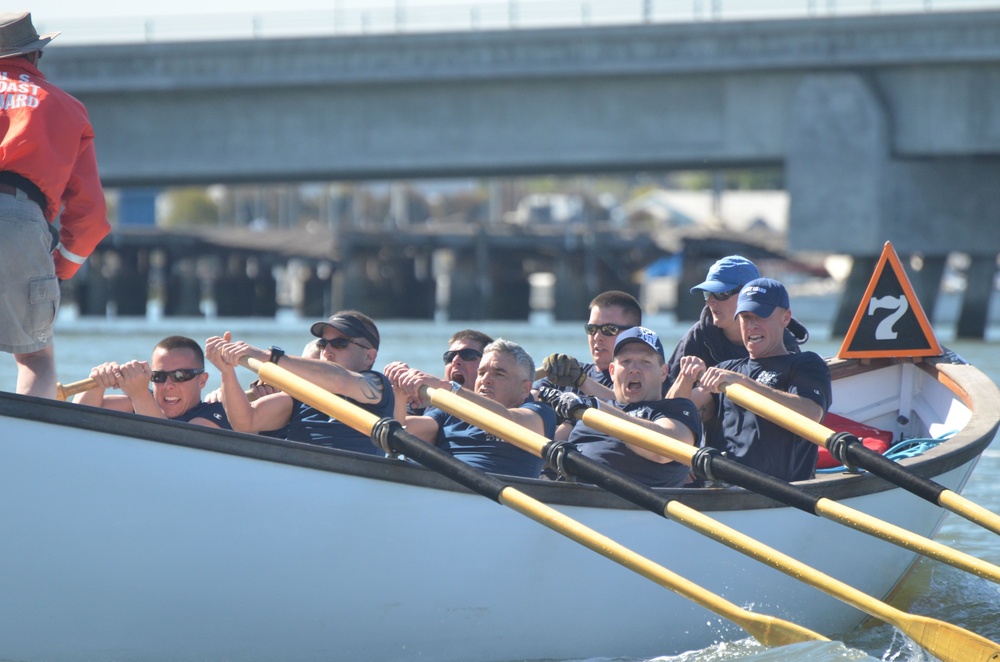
{"x":639,"y":334}
{"x":727,"y":274}
{"x":761,"y":297}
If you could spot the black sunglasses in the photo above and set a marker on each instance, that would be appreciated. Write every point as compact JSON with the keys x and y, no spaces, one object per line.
{"x":176,"y":376}
{"x":338,"y":343}
{"x":605,"y":329}
{"x":467,"y":354}
{"x":721,"y":296}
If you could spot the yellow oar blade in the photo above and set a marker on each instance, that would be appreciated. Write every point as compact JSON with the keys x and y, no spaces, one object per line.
{"x":940,"y":641}
{"x":768,"y":630}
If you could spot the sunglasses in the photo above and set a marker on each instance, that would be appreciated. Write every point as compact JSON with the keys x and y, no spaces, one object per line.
{"x":605,"y":329}
{"x":338,"y":343}
{"x":721,"y":296}
{"x":176,"y":376}
{"x":467,"y":354}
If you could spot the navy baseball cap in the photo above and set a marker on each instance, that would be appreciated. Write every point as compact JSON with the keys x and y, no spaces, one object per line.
{"x":351,"y":325}
{"x":727,"y":274}
{"x":639,"y":334}
{"x":761,"y":297}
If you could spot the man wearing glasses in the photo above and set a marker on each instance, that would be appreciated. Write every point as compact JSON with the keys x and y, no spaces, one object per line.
{"x":610,"y":313}
{"x":348,"y":343}
{"x":168,"y":386}
{"x":502,"y":386}
{"x":715,"y":337}
{"x":461,"y":364}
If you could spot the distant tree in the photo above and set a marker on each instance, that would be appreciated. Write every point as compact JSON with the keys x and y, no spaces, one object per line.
{"x":189,"y":206}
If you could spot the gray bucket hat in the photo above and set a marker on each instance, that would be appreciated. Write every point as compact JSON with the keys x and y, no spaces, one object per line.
{"x":18,"y":35}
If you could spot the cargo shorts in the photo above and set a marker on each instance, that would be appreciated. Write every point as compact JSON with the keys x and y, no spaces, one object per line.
{"x":29,"y":289}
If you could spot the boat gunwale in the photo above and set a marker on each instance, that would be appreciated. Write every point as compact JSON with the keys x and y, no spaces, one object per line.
{"x":971,"y":385}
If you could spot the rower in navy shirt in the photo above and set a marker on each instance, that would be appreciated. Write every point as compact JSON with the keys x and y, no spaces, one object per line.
{"x":169,"y":385}
{"x":503,"y":386}
{"x":348,"y":342}
{"x":800,"y":382}
{"x":637,"y":372}
{"x":715,"y":337}
{"x":610,"y":313}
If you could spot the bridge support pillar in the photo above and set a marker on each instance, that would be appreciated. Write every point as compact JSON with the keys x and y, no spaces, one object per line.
{"x":975,"y":305}
{"x":130,"y":282}
{"x":181,"y":285}
{"x":850,"y":193}
{"x":927,"y":282}
{"x":571,"y":290}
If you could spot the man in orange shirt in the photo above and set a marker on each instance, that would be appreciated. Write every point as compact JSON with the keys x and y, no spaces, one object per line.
{"x":48,"y":170}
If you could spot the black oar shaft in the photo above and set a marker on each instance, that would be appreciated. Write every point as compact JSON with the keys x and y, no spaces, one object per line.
{"x":857,"y":455}
{"x":769,"y":630}
{"x":946,"y":641}
{"x":713,"y":465}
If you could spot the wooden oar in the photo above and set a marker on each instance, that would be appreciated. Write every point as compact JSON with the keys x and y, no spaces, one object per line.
{"x":948,"y":642}
{"x":848,"y":450}
{"x":710,"y":464}
{"x":67,"y":391}
{"x":768,"y":630}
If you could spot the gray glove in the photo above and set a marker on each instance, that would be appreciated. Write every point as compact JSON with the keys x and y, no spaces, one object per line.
{"x":564,"y":370}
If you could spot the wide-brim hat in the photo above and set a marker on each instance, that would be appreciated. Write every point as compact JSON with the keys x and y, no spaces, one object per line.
{"x":350,"y":325}
{"x":19,"y":36}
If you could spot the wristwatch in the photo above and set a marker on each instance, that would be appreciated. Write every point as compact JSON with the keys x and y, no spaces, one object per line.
{"x":276,"y":354}
{"x":455,"y":387}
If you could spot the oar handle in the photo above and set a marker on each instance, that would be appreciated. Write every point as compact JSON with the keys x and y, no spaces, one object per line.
{"x":67,"y":391}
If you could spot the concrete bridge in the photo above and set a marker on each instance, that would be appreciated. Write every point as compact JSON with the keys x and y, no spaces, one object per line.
{"x":888,"y":127}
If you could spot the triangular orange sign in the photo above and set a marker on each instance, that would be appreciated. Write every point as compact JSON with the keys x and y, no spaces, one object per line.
{"x":889,"y":321}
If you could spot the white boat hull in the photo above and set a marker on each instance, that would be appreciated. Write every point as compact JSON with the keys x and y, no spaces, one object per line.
{"x":160,"y":546}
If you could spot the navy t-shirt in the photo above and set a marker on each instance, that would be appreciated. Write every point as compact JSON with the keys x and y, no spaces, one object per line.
{"x":757,"y":442}
{"x":312,"y":426}
{"x":482,"y":450}
{"x":710,"y":344}
{"x":212,"y":411}
{"x":614,"y":453}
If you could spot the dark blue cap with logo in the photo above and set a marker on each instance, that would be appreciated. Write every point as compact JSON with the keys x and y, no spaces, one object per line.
{"x":727,"y":274}
{"x":639,"y":334}
{"x":761,"y":297}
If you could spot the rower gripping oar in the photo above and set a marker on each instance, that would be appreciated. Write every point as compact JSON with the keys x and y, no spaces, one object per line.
{"x":848,"y":450}
{"x":948,"y":642}
{"x":67,"y":391}
{"x":390,"y":436}
{"x":708,"y":463}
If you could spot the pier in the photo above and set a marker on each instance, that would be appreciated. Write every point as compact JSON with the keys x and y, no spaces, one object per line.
{"x":462,"y":271}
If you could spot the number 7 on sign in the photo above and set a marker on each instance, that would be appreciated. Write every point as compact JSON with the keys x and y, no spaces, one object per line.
{"x":900,"y":305}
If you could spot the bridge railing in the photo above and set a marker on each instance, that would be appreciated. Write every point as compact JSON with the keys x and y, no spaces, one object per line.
{"x":354,"y":17}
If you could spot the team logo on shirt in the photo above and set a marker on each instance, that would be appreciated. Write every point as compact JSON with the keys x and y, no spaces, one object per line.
{"x":768,"y":378}
{"x":643,"y":412}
